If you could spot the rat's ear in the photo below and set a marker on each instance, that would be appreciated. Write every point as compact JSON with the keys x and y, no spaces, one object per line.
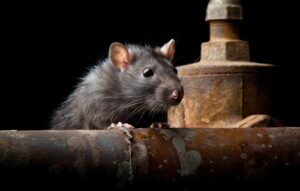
{"x":119,"y":55}
{"x":168,"y":49}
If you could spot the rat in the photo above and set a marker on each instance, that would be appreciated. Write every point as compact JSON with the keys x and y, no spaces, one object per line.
{"x":130,"y":86}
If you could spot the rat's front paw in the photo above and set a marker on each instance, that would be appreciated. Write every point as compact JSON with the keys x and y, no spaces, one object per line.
{"x":160,"y":125}
{"x":123,"y":127}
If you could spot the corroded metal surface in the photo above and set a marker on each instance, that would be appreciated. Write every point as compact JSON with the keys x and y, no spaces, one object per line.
{"x":216,"y":154}
{"x":224,"y":87}
{"x":223,"y":30}
{"x":68,"y":158}
{"x":225,"y":67}
{"x":224,"y":9}
{"x":236,"y":50}
{"x":258,"y":121}
{"x":154,"y":158}
{"x":219,"y":95}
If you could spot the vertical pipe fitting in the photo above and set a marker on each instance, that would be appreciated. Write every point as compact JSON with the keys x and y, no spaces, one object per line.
{"x":224,"y":87}
{"x":224,"y":42}
{"x":222,"y":16}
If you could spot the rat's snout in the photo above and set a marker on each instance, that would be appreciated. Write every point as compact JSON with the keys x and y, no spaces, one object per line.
{"x":168,"y":95}
{"x":176,"y":96}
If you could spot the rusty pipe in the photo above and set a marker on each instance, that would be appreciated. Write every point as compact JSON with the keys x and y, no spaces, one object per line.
{"x":153,"y":158}
{"x":223,"y":30}
{"x":223,"y":16}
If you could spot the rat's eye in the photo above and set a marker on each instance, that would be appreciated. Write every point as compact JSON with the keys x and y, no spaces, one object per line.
{"x":148,"y":72}
{"x":175,"y":70}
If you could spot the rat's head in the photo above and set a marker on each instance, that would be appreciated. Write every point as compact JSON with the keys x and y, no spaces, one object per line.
{"x":147,"y":77}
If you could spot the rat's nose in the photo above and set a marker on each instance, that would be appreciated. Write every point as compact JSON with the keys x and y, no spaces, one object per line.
{"x":176,"y":97}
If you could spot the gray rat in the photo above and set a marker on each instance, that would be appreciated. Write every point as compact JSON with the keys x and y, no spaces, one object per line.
{"x":132,"y":85}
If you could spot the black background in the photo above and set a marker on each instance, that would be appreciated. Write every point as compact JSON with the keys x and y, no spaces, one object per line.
{"x":46,"y":48}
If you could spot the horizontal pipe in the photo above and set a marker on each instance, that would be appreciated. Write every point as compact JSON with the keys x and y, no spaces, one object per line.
{"x":180,"y":159}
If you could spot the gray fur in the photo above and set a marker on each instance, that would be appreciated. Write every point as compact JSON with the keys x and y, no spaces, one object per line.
{"x":107,"y":95}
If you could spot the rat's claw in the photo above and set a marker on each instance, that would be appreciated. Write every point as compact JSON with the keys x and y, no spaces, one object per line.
{"x":160,"y":126}
{"x":123,"y":127}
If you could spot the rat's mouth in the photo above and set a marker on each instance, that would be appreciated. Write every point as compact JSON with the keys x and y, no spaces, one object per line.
{"x":160,"y":107}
